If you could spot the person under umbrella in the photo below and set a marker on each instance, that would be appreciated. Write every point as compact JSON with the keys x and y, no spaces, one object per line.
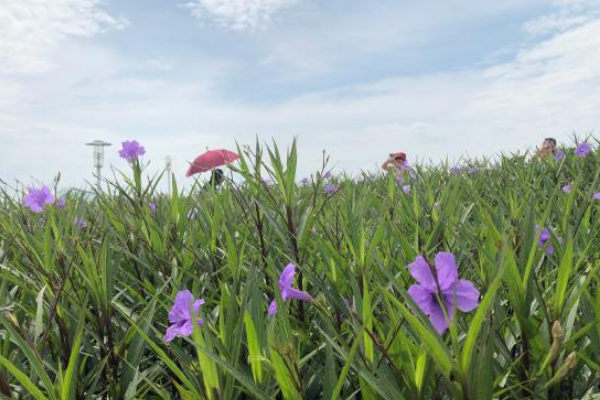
{"x":395,"y":163}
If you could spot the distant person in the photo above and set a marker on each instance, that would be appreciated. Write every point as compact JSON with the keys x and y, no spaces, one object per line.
{"x":396,"y":163}
{"x":548,"y":148}
{"x":216,"y":179}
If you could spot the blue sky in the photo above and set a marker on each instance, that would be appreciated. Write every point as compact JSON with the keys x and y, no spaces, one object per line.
{"x":359,"y":79}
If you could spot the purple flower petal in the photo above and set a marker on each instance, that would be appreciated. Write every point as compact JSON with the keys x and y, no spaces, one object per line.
{"x":285,"y":285}
{"x":583,"y":149}
{"x":566,"y":188}
{"x":406,"y":189}
{"x":180,"y":315}
{"x":438,"y":319}
{"x":272,"y":310}
{"x":463,"y":295}
{"x":596,"y":196}
{"x":559,"y":155}
{"x":447,"y":272}
{"x":36,"y":199}
{"x":423,"y":298}
{"x":420,"y":270}
{"x":131,"y":150}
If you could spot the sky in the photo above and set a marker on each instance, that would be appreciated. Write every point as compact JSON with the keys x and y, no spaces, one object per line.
{"x":438,"y":79}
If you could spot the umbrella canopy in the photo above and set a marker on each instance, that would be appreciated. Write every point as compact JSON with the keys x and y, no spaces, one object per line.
{"x":210,"y":160}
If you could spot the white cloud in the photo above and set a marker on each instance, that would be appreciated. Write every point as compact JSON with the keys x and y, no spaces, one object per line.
{"x":29,"y":29}
{"x":238,"y":14}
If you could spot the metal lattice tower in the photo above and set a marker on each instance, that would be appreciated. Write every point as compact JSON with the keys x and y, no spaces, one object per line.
{"x":98,"y":146}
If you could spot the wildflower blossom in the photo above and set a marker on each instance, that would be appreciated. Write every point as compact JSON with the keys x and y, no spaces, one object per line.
{"x":79,"y":222}
{"x":61,"y":203}
{"x":131,"y":150}
{"x":545,"y":235}
{"x":399,"y":180}
{"x":36,"y":199}
{"x":272,"y":308}
{"x":406,"y":189}
{"x":596,"y":196}
{"x":330,"y":189}
{"x":566,"y":188}
{"x":439,"y":290}
{"x":304,"y":181}
{"x":152,"y":207}
{"x":181,"y":316}
{"x":455,"y":170}
{"x":559,"y":155}
{"x":583,"y":149}
{"x":286,"y":289}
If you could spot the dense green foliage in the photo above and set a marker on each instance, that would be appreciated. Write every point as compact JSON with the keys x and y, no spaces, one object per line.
{"x":83,"y":311}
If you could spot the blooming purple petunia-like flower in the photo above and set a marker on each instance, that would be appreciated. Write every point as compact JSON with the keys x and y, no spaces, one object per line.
{"x":406,"y":189}
{"x":36,"y":199}
{"x":439,"y":290}
{"x":544,"y":237}
{"x":455,"y":170}
{"x":79,"y":222}
{"x":330,"y":189}
{"x":559,"y":155}
{"x":596,"y":196}
{"x":566,"y":188}
{"x":181,"y":316}
{"x":583,"y":149}
{"x":287,"y":291}
{"x":152,"y":207}
{"x":304,"y":181}
{"x":61,"y":203}
{"x":131,"y":150}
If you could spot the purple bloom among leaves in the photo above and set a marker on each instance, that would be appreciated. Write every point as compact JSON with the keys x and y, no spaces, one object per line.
{"x":400,"y":180}
{"x":330,"y":189}
{"x":287,"y":291}
{"x":152,"y":207}
{"x":61,"y":203}
{"x":559,"y":155}
{"x":181,"y":316}
{"x":79,"y":222}
{"x":437,"y":294}
{"x":566,"y":188}
{"x":596,"y":196}
{"x":545,"y":235}
{"x":455,"y":170}
{"x":36,"y":199}
{"x":327,"y":175}
{"x":272,"y":309}
{"x":583,"y":149}
{"x":406,"y":189}
{"x":304,"y":181}
{"x":131,"y":150}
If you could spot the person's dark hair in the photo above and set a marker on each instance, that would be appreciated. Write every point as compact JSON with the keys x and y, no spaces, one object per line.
{"x":216,"y":179}
{"x":551,"y":140}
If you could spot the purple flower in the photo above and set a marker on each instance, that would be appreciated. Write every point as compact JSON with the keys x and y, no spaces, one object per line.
{"x":473,"y":170}
{"x":455,"y":170}
{"x":400,"y":180}
{"x":327,"y":175}
{"x":181,"y":317}
{"x":61,"y":203}
{"x":79,"y":222}
{"x":582,"y":149}
{"x":286,"y":289}
{"x":559,"y":155}
{"x":596,"y":196}
{"x":330,"y":189}
{"x":545,"y":235}
{"x":36,"y":199}
{"x":566,"y":188}
{"x":152,"y":207}
{"x":285,"y":285}
{"x":406,"y":189}
{"x":436,"y":294}
{"x":131,"y":150}
{"x":272,"y":309}
{"x":304,"y":181}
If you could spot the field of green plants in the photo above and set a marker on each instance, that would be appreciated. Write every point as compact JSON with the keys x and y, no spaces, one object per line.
{"x":478,"y":282}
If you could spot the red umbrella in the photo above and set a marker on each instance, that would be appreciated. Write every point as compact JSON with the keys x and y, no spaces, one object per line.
{"x":210,"y":160}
